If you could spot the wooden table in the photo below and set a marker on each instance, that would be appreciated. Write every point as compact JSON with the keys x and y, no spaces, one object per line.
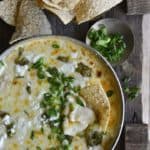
{"x":133,"y":109}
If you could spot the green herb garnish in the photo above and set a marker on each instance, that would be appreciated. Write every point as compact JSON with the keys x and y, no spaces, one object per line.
{"x":63,"y":58}
{"x":39,"y":63}
{"x":111,"y":46}
{"x":28,"y":88}
{"x":42,"y":130}
{"x":84,"y":70}
{"x":26,"y":113}
{"x":79,"y":102}
{"x":32,"y":135}
{"x":54,"y":100}
{"x":21,"y":60}
{"x":94,"y":138}
{"x":55,"y":45}
{"x":131,"y":91}
{"x":10,"y":129}
{"x":1,"y":63}
{"x":110,"y":93}
{"x":38,"y":148}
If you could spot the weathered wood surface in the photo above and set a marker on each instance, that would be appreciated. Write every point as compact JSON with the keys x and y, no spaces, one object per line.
{"x":133,"y":109}
{"x":138,"y":6}
{"x":136,"y":137}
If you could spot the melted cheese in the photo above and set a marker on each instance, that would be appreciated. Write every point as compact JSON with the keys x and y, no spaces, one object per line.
{"x":68,"y":68}
{"x":79,"y":144}
{"x":21,"y":70}
{"x":97,"y":147}
{"x":80,"y":118}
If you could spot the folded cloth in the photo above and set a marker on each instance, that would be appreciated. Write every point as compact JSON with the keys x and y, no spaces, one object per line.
{"x":138,"y":7}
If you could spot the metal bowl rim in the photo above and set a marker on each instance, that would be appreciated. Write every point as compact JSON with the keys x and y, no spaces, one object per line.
{"x":27,"y":40}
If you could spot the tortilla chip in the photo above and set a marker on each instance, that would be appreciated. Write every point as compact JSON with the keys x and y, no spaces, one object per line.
{"x":8,"y":11}
{"x":66,"y":5}
{"x":31,"y":21}
{"x":89,"y":9}
{"x":65,"y":16}
{"x":96,"y":98}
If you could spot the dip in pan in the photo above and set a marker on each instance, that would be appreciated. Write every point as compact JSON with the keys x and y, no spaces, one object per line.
{"x":58,"y":94}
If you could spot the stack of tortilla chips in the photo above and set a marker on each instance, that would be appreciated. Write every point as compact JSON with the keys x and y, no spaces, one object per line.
{"x":81,"y":10}
{"x":29,"y":19}
{"x":26,"y":16}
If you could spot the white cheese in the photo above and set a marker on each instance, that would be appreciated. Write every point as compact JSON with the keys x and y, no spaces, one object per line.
{"x":7,"y":120}
{"x":80,"y":118}
{"x":84,"y":115}
{"x":23,"y":125}
{"x":53,"y":118}
{"x":71,"y":99}
{"x":68,"y":68}
{"x":80,"y":80}
{"x":3,"y":136}
{"x":74,"y":55}
{"x":36,"y":58}
{"x":79,"y":143}
{"x":29,"y":57}
{"x":21,"y":70}
{"x":97,"y":147}
{"x":36,"y":122}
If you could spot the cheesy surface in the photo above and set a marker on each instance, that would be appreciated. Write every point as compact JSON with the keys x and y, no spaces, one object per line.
{"x":40,"y":84}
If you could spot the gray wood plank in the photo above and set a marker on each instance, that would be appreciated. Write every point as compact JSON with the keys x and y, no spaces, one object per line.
{"x":138,"y":7}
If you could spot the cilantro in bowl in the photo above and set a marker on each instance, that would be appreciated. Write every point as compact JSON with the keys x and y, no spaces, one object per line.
{"x":111,"y":46}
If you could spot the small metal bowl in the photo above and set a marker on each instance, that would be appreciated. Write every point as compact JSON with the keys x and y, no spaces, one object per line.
{"x":116,"y":26}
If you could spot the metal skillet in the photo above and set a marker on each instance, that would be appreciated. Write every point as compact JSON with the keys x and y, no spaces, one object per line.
{"x":107,"y":64}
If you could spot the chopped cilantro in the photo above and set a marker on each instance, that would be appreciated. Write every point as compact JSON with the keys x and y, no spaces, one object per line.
{"x":63,"y":58}
{"x":111,"y":46}
{"x":55,"y":45}
{"x":84,"y":70}
{"x":110,"y":93}
{"x":131,"y":91}
{"x":32,"y":135}
{"x":38,"y":148}
{"x":1,"y":63}
{"x":79,"y":101}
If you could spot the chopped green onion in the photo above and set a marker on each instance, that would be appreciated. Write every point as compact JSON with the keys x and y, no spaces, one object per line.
{"x":63,"y":58}
{"x":79,"y":101}
{"x":84,"y":70}
{"x":111,"y":46}
{"x":38,"y":148}
{"x":110,"y":93}
{"x":1,"y":63}
{"x":32,"y":135}
{"x":55,"y":45}
{"x":38,"y":63}
{"x":28,"y":88}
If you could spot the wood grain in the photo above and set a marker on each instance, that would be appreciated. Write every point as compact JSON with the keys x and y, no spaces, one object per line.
{"x":138,"y":7}
{"x":136,"y":137}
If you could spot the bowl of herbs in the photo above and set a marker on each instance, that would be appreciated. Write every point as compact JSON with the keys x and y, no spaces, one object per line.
{"x":112,"y":38}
